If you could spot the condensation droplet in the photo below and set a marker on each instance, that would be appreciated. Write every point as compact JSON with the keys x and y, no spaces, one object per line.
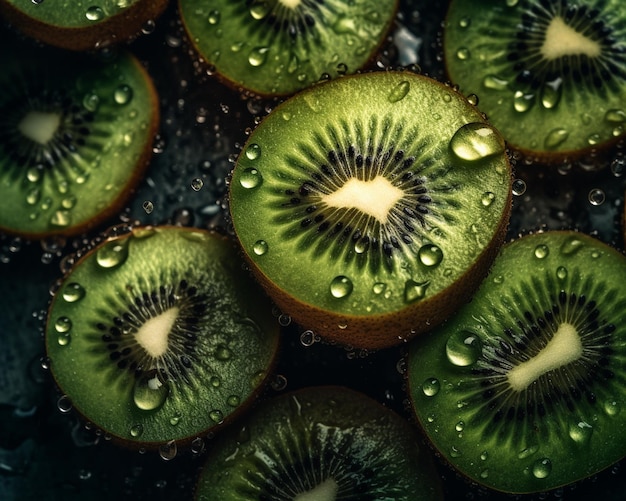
{"x":463,"y":53}
{"x":465,"y":22}
{"x":379,"y":288}
{"x":250,"y":178}
{"x":216,"y":415}
{"x":123,"y":94}
{"x":223,"y":352}
{"x":168,"y":451}
{"x":522,"y":102}
{"x":73,"y":292}
{"x":527,"y":452}
{"x":541,"y":251}
{"x":430,"y":255}
{"x":260,"y":247}
{"x":149,"y":392}
{"x":571,"y":246}
{"x":561,"y":273}
{"x":63,"y":324}
{"x":596,"y":196}
{"x":399,"y":92}
{"x":94,"y":13}
{"x":615,"y":116}
{"x":307,"y":338}
{"x":463,"y":348}
{"x":259,"y":10}
{"x":253,"y":151}
{"x":476,"y":141}
{"x":488,"y":198}
{"x":551,"y":93}
{"x":495,"y":82}
{"x":214,"y":17}
{"x":580,"y":432}
{"x":612,"y":407}
{"x":555,"y":138}
{"x":542,"y":468}
{"x":136,"y":430}
{"x":414,"y":291}
{"x":455,"y":452}
{"x":258,"y":56}
{"x":112,"y":254}
{"x":431,"y":387}
{"x":64,"y":404}
{"x":341,"y":287}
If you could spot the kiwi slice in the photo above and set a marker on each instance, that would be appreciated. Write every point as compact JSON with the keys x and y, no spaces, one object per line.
{"x":550,"y":74}
{"x":158,"y":336}
{"x":320,"y":443}
{"x":76,"y":135}
{"x":523,"y":389}
{"x":82,"y":25}
{"x":371,"y":206}
{"x":276,"y":47}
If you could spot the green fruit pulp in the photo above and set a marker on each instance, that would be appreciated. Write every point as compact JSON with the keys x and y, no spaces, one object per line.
{"x":71,"y":14}
{"x":563,"y":438}
{"x":238,"y":39}
{"x":317,"y":437}
{"x":54,"y":177}
{"x":559,"y":113}
{"x":234,"y":341}
{"x":397,"y":111}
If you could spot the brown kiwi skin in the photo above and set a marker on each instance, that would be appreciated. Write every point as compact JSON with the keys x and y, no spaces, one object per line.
{"x":371,"y":332}
{"x":184,"y":443}
{"x":369,"y":65}
{"x":138,"y":173}
{"x":122,"y":27}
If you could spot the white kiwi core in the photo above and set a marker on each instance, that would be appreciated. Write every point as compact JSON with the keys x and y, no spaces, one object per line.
{"x":153,"y":334}
{"x":39,"y":126}
{"x":291,"y":4}
{"x":564,"y":347}
{"x":563,"y":40}
{"x":326,"y":491}
{"x":375,"y":197}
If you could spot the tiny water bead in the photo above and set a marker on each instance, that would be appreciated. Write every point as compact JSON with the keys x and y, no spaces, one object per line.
{"x":73,"y":292}
{"x":123,"y":94}
{"x":399,"y":92}
{"x":260,"y":247}
{"x":430,"y":255}
{"x":488,"y":198}
{"x":250,"y":178}
{"x":542,"y":251}
{"x":463,"y":348}
{"x":94,"y":13}
{"x":556,"y":138}
{"x":612,"y":407}
{"x":148,"y":207}
{"x":476,"y":141}
{"x":136,"y":430}
{"x":542,"y":468}
{"x":431,"y":387}
{"x":596,"y":196}
{"x":149,"y":392}
{"x":341,"y":287}
{"x":561,"y":273}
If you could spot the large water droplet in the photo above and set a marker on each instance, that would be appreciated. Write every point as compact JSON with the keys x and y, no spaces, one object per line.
{"x":430,"y":255}
{"x":555,"y":138}
{"x":73,"y":292}
{"x":149,"y":392}
{"x":542,"y":468}
{"x":399,"y":92}
{"x":113,"y":253}
{"x":341,"y":287}
{"x":250,"y":178}
{"x":615,"y":116}
{"x":476,"y":141}
{"x":463,"y":348}
{"x":431,"y":387}
{"x":414,"y":291}
{"x":580,"y":432}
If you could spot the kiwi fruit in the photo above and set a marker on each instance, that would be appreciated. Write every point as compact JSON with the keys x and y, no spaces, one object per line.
{"x":523,"y":389}
{"x":276,"y":47}
{"x":158,"y":336}
{"x":319,"y":443}
{"x":76,"y":135}
{"x":550,"y":74}
{"x":371,"y":206}
{"x":82,"y":26}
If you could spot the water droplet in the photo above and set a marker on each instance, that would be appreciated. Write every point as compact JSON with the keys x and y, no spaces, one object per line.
{"x":615,"y":116}
{"x":495,"y":82}
{"x":414,"y":291}
{"x":233,"y":400}
{"x":168,"y":451}
{"x":561,"y":273}
{"x":519,"y":187}
{"x":64,"y":339}
{"x":527,"y":452}
{"x":223,"y":352}
{"x":399,"y":92}
{"x":594,"y":139}
{"x":551,"y":93}
{"x":555,"y":138}
{"x":430,"y":255}
{"x":250,"y":178}
{"x":149,"y":392}
{"x":465,"y":22}
{"x":123,"y":94}
{"x":284,"y":320}
{"x":542,"y":251}
{"x":148,"y":207}
{"x":258,"y":56}
{"x":617,"y":167}
{"x":476,"y":141}
{"x":61,"y":218}
{"x":94,"y":13}
{"x":260,"y":247}
{"x":379,"y":288}
{"x":459,"y":426}
{"x":612,"y":407}
{"x":472,"y":99}
{"x":484,"y":473}
{"x":253,"y":151}
{"x":307,"y":338}
{"x":73,"y":292}
{"x":488,"y":198}
{"x":596,"y":196}
{"x":463,"y":53}
{"x":63,"y":324}
{"x":136,"y":430}
{"x":259,"y":10}
{"x":341,"y":287}
{"x":484,"y":456}
{"x":113,"y":253}
{"x":64,"y":404}
{"x":197,"y":184}
{"x":463,"y":348}
{"x":431,"y":387}
{"x":214,"y":17}
{"x":542,"y":468}
{"x":455,"y":452}
{"x":197,"y":445}
{"x":571,"y":246}
{"x":174,"y":420}
{"x":216,"y":415}
{"x":522,"y":102}
{"x":580,"y":432}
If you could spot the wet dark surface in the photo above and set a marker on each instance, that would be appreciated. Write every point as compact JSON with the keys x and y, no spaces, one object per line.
{"x":48,"y":454}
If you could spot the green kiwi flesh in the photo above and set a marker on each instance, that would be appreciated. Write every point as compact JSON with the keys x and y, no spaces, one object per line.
{"x":76,"y":135}
{"x":523,"y":389}
{"x":550,"y":75}
{"x":276,"y":47}
{"x":82,"y":25}
{"x":159,"y":336}
{"x":371,"y":206}
{"x":319,"y":443}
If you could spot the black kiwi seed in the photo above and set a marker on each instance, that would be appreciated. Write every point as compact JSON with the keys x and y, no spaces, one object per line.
{"x":159,"y":335}
{"x":76,"y":135}
{"x":523,"y":389}
{"x":319,"y":443}
{"x":549,"y":74}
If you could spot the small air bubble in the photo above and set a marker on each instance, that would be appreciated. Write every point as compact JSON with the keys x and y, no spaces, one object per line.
{"x":197,"y":184}
{"x":168,"y":451}
{"x":64,"y":404}
{"x":148,"y":206}
{"x":596,"y":196}
{"x":284,"y":320}
{"x":519,"y":187}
